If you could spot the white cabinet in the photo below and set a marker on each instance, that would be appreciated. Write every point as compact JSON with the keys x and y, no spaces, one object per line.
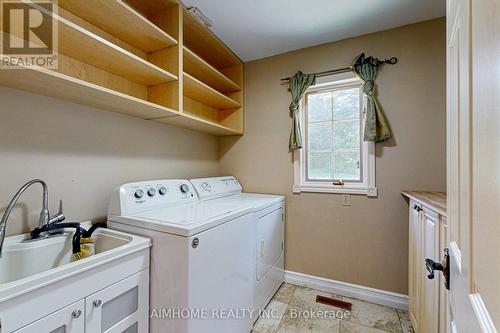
{"x":121,"y":307}
{"x":70,"y":319}
{"x":427,"y":298}
{"x":429,"y":302}
{"x":415,"y":267}
{"x":443,"y":293}
{"x":54,"y":301}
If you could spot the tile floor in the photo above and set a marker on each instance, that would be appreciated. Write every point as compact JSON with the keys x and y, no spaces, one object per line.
{"x":294,"y":310}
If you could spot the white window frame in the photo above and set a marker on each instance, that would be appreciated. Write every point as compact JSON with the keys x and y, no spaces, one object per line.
{"x":367,"y":186}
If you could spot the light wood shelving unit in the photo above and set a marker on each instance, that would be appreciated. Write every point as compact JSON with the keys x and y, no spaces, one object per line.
{"x":149,"y":59}
{"x":212,"y":77}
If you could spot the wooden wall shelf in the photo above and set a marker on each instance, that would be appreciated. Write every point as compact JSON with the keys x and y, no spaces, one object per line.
{"x":131,"y":27}
{"x":43,"y":81}
{"x":151,"y":8}
{"x":199,"y":124}
{"x":149,"y":59}
{"x":204,"y":43}
{"x":199,"y":91}
{"x":85,"y":46}
{"x":202,"y":70}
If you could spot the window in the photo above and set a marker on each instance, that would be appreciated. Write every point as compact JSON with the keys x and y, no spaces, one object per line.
{"x":334,"y":157}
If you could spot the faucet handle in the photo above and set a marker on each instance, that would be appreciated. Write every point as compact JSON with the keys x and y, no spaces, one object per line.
{"x":60,"y":212}
{"x":59,"y":217}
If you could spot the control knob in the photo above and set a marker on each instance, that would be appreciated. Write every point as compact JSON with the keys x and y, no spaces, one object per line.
{"x":151,"y":192}
{"x":184,"y":188}
{"x":162,"y":190}
{"x":139,"y":194}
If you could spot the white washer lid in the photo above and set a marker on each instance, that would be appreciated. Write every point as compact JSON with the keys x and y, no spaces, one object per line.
{"x":189,"y":214}
{"x":186,"y":220}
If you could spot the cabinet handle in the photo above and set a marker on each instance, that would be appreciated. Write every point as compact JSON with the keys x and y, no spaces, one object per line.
{"x":417,"y":208}
{"x":76,"y":314}
{"x":97,"y":303}
{"x":432,"y":266}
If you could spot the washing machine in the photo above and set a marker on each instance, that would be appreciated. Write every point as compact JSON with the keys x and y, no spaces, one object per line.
{"x":269,"y":224}
{"x":202,"y":276}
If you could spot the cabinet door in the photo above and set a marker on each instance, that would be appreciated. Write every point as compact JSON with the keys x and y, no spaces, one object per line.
{"x":414,"y":260}
{"x":122,"y":307}
{"x":70,"y":319}
{"x":443,"y":293}
{"x":429,"y":301}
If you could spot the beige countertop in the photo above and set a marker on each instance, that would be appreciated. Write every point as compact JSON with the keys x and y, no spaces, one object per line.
{"x":434,"y":200}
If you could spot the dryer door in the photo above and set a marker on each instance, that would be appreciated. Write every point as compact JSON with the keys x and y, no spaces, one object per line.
{"x":270,"y":241}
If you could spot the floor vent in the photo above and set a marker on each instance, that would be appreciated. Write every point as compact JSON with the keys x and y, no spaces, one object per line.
{"x":334,"y":302}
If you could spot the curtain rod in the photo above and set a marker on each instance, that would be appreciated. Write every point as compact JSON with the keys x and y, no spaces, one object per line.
{"x":391,"y":61}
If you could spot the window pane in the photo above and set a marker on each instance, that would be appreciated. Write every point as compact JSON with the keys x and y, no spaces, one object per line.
{"x":334,"y":134}
{"x":320,"y":136}
{"x":319,"y":107}
{"x":320,"y":166}
{"x":346,"y":134}
{"x":346,"y":103}
{"x":347,"y":165}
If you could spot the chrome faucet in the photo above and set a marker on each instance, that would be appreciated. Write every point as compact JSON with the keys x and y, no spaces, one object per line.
{"x":44,"y":221}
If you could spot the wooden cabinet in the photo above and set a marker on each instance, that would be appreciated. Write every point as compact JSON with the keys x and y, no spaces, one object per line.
{"x":70,"y":319}
{"x":427,"y":239}
{"x":148,"y":59}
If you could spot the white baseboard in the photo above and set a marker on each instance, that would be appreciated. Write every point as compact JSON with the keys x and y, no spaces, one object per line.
{"x":372,"y":295}
{"x":482,"y":315}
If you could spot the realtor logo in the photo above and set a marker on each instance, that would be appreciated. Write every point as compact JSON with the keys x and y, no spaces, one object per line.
{"x":29,"y":34}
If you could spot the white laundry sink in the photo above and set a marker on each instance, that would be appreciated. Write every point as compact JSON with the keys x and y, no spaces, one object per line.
{"x":30,"y":265}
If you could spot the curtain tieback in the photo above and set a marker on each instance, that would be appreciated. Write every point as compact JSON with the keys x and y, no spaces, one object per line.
{"x":294,"y":108}
{"x":368,"y":87}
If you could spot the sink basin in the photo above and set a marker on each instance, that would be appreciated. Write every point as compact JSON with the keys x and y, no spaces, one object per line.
{"x":25,"y":266}
{"x":20,"y":260}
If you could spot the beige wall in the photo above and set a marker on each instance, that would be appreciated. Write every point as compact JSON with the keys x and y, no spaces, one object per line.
{"x":366,"y":243}
{"x":83,"y":153}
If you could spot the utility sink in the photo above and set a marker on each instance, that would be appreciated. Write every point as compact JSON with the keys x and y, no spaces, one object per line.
{"x":26,"y":266}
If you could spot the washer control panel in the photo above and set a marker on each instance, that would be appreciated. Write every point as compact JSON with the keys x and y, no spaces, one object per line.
{"x":216,"y":187}
{"x":135,"y":197}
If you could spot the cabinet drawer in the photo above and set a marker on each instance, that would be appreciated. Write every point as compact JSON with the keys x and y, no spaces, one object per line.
{"x":67,"y":320}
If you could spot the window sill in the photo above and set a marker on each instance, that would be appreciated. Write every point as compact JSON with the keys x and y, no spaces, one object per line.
{"x":370,"y":192}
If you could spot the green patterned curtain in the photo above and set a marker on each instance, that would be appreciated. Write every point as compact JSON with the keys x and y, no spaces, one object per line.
{"x":298,"y":86}
{"x":376,"y":127}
